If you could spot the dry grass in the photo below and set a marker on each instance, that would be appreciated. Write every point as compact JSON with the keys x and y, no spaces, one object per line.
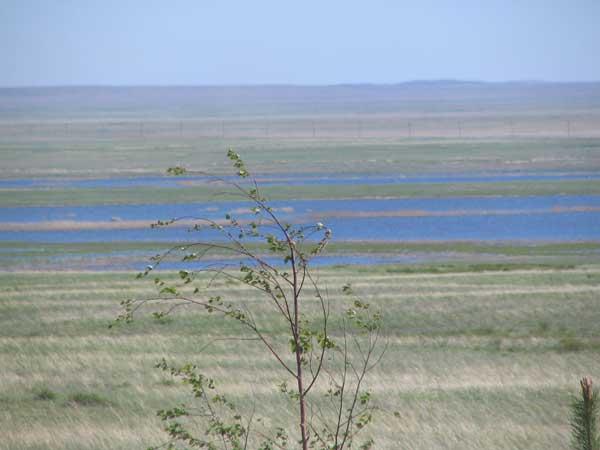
{"x":475,"y":360}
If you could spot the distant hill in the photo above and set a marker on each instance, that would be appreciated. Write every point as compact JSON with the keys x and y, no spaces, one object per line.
{"x":234,"y":101}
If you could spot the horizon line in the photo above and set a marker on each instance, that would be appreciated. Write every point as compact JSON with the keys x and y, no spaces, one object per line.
{"x":308,"y":85}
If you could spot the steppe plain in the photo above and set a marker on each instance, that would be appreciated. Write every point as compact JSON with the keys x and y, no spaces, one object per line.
{"x":488,"y":334}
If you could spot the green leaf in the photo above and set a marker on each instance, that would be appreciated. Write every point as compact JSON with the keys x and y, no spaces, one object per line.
{"x":169,"y":290}
{"x":176,"y":170}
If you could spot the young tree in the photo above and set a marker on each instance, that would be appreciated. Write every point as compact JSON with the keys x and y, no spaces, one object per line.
{"x":323,"y":370}
{"x":584,"y":412}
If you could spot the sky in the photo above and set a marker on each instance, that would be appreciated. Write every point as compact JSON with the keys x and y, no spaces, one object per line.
{"x":310,"y":42}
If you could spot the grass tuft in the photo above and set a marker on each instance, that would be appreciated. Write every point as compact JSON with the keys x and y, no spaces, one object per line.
{"x":571,"y":344}
{"x":44,"y":393}
{"x":87,"y":399}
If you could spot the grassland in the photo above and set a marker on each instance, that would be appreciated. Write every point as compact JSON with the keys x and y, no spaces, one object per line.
{"x":119,"y":104}
{"x":502,"y":248}
{"x":49,"y":155}
{"x":485,"y":348}
{"x":88,"y":156}
{"x":116,"y":196}
{"x":483,"y":359}
{"x":469,"y":255}
{"x":405,"y":128}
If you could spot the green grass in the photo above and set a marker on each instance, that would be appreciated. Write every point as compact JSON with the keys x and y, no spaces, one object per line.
{"x":44,"y":393}
{"x":479,"y":356}
{"x":53,"y":248}
{"x":436,"y":257}
{"x":339,"y":247}
{"x":86,"y":399}
{"x":106,"y":196}
{"x":484,"y":352}
{"x":93,"y":156}
{"x":476,"y":247}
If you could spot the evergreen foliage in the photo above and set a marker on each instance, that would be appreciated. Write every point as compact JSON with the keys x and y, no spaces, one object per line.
{"x":584,"y":412}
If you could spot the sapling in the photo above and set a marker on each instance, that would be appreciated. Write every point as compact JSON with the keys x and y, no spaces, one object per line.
{"x":584,"y":412}
{"x":323,"y":370}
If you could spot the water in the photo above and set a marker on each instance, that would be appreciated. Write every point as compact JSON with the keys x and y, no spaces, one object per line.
{"x":291,"y":209}
{"x":536,"y":218}
{"x":139,"y":261}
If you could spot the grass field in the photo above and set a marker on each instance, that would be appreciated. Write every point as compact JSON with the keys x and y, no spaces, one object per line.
{"x":49,"y":156}
{"x":487,"y":340}
{"x":470,"y":255}
{"x":477,"y":359}
{"x":116,"y":196}
{"x":404,"y":128}
{"x":498,"y":248}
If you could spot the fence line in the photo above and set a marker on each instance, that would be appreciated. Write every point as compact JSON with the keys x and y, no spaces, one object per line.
{"x":310,"y":128}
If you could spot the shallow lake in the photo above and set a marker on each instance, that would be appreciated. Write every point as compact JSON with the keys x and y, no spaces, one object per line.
{"x":536,"y":218}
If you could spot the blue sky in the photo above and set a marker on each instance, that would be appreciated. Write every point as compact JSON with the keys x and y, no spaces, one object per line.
{"x":200,"y":42}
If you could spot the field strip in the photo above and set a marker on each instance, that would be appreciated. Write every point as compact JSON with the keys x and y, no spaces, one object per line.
{"x":30,"y":277}
{"x":495,"y":273}
{"x":361,"y":286}
{"x":154,"y":343}
{"x":382,"y":272}
{"x":379,"y":293}
{"x":452,"y":213}
{"x":402,"y":383}
{"x":489,"y":293}
{"x":85,"y":432}
{"x":353,"y":271}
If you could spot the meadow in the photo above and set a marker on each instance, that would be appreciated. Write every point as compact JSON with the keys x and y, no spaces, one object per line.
{"x":476,"y":359}
{"x":488,"y":336}
{"x":422,"y":256}
{"x":58,"y":197}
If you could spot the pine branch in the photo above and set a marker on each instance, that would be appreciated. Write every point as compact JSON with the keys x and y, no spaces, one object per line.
{"x":584,"y":411}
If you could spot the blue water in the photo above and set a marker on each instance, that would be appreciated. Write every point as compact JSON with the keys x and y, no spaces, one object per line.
{"x":303,"y":210}
{"x":540,"y":223}
{"x":141,"y":261}
{"x":297,"y":180}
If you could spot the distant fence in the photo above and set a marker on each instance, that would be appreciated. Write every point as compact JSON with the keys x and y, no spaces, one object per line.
{"x":327,"y":127}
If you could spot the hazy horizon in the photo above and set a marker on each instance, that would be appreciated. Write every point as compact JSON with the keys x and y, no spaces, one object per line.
{"x":431,"y":81}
